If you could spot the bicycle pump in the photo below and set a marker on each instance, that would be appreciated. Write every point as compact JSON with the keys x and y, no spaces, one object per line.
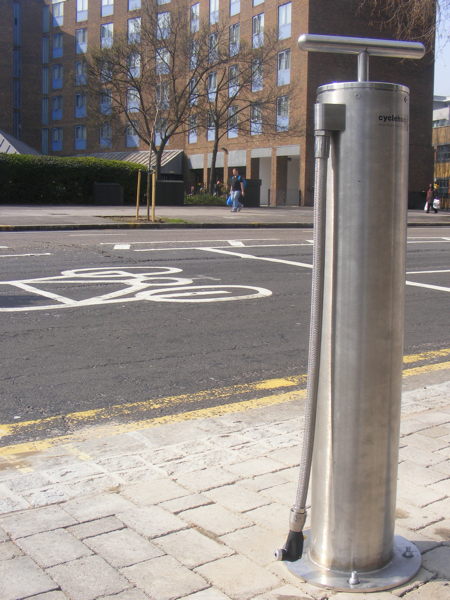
{"x":352,"y":417}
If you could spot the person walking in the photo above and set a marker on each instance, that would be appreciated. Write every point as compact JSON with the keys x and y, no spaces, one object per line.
{"x":429,"y":199}
{"x":236,"y":191}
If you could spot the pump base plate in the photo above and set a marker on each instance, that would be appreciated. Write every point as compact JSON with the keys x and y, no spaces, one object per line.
{"x":400,"y":570}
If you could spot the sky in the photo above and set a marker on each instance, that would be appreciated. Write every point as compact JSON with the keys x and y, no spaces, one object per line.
{"x":442,"y":58}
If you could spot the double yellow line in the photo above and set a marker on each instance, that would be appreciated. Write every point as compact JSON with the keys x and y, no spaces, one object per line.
{"x":230,"y":399}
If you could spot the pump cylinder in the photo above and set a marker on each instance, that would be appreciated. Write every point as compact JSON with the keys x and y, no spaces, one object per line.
{"x":359,"y":392}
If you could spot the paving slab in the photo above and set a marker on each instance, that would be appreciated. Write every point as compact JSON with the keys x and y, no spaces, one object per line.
{"x":20,"y":578}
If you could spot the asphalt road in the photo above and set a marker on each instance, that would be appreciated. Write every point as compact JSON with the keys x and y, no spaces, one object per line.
{"x":95,"y":320}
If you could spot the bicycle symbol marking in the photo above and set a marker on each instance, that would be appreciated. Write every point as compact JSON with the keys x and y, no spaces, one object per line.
{"x":132,"y":284}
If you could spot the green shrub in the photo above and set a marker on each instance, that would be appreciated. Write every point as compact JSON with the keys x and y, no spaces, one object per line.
{"x":205,"y":200}
{"x":30,"y":179}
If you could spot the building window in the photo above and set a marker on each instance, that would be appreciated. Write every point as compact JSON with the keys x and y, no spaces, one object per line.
{"x":106,"y":102}
{"x":258,"y":31}
{"x":57,"y":45}
{"x":45,"y":85}
{"x":44,"y":141}
{"x":257,"y":75}
{"x":162,"y":61}
{"x":132,"y":138}
{"x":134,"y":4}
{"x":57,"y":139}
{"x":46,"y":29}
{"x":163,"y":26}
{"x":162,"y":95}
{"x":443,"y":153}
{"x":107,"y":8}
{"x":284,"y":67}
{"x":235,"y":34}
{"x":235,"y":7}
{"x":213,"y":11}
{"x":212,"y":86}
{"x":80,"y":73}
{"x":211,"y":128}
{"x":81,"y":41}
{"x":192,"y":133}
{"x":284,"y":21}
{"x":232,"y":122}
{"x":134,"y":65}
{"x":82,"y":10}
{"x":257,"y":2}
{"x":160,"y":131}
{"x":106,"y":135}
{"x":80,"y":137}
{"x":106,"y":35}
{"x":57,"y":77}
{"x":45,"y":56}
{"x":133,"y":101}
{"x":80,"y":105}
{"x":282,"y":113}
{"x":213,"y":49}
{"x":193,"y":93}
{"x":195,"y":17}
{"x":106,"y":72}
{"x":44,"y":111}
{"x":134,"y":30}
{"x":159,"y":2}
{"x":193,"y":59}
{"x":233,"y":81}
{"x":58,"y":14}
{"x":255,"y":119}
{"x":57,"y":108}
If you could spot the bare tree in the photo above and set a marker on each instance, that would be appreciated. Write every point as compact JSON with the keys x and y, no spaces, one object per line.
{"x":408,"y":19}
{"x":238,"y":92}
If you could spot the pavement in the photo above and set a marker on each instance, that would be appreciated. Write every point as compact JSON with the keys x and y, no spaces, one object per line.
{"x":33,"y":217}
{"x":191,"y":507}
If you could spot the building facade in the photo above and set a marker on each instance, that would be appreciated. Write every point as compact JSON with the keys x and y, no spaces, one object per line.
{"x":441,"y":145}
{"x":44,"y":85}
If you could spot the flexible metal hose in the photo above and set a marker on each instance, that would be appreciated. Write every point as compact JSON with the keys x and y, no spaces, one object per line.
{"x":322,"y":148}
{"x":293,"y":547}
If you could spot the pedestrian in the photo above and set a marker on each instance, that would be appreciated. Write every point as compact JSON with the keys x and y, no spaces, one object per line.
{"x":429,"y":199}
{"x":236,"y":191}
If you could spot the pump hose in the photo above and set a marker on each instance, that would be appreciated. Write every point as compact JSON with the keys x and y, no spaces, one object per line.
{"x":293,"y":548}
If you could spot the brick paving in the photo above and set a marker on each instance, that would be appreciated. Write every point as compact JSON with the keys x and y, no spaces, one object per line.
{"x":194,"y":510}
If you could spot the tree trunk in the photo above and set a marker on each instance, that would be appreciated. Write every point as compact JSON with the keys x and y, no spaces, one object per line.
{"x":212,"y":176}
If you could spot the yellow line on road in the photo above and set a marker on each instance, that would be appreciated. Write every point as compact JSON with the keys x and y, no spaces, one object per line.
{"x":92,"y":417}
{"x":100,"y":431}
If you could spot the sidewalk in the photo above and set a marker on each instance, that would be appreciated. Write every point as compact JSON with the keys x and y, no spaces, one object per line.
{"x":192,"y":510}
{"x":32,"y":217}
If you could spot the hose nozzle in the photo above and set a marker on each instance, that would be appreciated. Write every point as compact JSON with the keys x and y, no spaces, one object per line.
{"x":293,"y":548}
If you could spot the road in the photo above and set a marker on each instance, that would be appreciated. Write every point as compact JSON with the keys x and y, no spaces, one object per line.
{"x":126,"y":324}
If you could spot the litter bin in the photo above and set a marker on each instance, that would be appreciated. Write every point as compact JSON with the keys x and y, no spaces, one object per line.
{"x":108,"y":193}
{"x":252,"y":192}
{"x":169,"y":192}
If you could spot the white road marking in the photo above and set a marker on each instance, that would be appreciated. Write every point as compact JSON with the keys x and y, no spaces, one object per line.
{"x":46,"y":294}
{"x":135,"y":286}
{"x":429,"y":286}
{"x":425,"y":272}
{"x":216,"y":247}
{"x":235,"y":243}
{"x":252,"y":256}
{"x":194,"y":241}
{"x":17,"y":255}
{"x":121,"y":246}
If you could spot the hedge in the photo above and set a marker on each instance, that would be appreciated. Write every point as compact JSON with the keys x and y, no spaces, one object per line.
{"x":28,"y":179}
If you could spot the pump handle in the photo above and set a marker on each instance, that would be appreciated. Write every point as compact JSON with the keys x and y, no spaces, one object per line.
{"x":355,"y":45}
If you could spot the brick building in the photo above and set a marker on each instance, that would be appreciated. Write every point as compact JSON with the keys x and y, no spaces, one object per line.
{"x":43,"y":88}
{"x":441,"y":144}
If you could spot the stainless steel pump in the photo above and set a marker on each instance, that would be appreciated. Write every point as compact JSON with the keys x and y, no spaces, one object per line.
{"x":354,"y":394}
